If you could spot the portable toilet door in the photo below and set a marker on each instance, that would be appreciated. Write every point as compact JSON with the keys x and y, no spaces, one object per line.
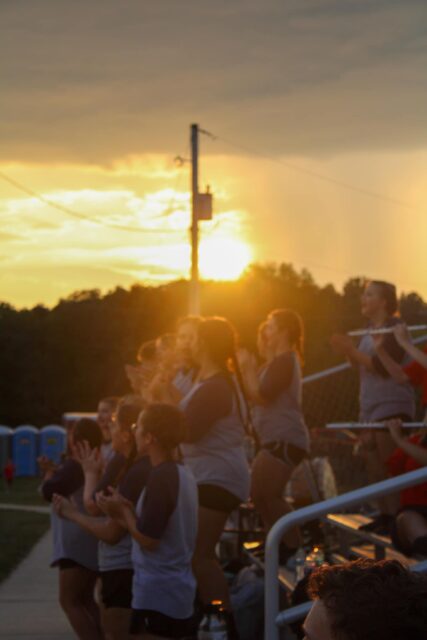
{"x":6,"y":434}
{"x":25,"y":450}
{"x":53,"y":442}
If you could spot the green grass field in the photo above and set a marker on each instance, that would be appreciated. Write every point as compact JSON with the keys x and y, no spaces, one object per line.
{"x":19,"y":531}
{"x":24,"y":491}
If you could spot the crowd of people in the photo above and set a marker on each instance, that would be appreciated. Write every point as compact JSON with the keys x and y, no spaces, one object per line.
{"x":143,"y":496}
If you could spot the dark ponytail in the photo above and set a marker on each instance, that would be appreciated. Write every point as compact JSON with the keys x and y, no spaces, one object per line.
{"x":248,"y":424}
{"x":220,"y":341}
{"x":291,"y":322}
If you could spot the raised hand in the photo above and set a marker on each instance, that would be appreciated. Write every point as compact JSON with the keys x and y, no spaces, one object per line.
{"x":46,"y":465}
{"x":90,"y":459}
{"x":246,"y":360}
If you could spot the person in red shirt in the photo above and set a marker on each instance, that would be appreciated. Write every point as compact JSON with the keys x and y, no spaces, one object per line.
{"x":9,"y":474}
{"x":409,"y":533}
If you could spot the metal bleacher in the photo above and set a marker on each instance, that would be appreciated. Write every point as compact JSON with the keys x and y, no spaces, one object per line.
{"x":370,"y":545}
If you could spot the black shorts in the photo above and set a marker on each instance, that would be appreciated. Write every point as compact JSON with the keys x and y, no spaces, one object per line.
{"x":401,"y":545}
{"x":286,"y":452}
{"x":67,"y":563}
{"x":158,"y":624}
{"x":116,"y":588}
{"x":217,"y":498}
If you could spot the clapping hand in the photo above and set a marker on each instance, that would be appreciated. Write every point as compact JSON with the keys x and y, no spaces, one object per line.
{"x":114,"y":504}
{"x":63,"y":506}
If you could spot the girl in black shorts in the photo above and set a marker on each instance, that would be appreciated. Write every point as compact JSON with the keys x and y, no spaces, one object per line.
{"x":214,"y":450}
{"x":276,"y":392}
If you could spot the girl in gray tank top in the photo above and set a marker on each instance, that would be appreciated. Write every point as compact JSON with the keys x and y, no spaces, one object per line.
{"x":75,"y":550}
{"x":381,"y":397}
{"x":276,"y":394}
{"x":163,"y":530}
{"x":213,"y":451}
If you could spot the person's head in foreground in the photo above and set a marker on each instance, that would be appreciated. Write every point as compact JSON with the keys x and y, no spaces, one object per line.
{"x":367,"y":600}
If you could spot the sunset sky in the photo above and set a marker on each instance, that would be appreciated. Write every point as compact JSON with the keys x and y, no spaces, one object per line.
{"x":320,"y":113}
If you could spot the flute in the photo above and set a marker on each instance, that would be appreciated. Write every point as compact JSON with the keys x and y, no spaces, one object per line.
{"x":366,"y":332}
{"x":372,"y":425}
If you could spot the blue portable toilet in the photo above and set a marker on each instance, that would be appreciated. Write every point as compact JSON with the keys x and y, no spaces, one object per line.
{"x":6,"y":434}
{"x":25,"y":450}
{"x":53,"y":442}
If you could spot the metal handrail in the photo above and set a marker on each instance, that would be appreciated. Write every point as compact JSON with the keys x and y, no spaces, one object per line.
{"x":312,"y":512}
{"x":346,"y":365}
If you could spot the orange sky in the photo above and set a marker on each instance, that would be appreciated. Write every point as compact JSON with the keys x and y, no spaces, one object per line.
{"x":97,"y":102}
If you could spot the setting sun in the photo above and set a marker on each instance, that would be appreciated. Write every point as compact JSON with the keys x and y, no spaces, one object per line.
{"x":223,"y":258}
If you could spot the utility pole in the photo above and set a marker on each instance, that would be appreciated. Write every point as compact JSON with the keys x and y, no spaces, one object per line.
{"x":201,"y":209}
{"x":194,"y":283}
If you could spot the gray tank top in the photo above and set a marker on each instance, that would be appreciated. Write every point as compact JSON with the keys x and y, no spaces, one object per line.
{"x":115,"y":556}
{"x":183,"y":381}
{"x":382,"y":397}
{"x":219,"y":457}
{"x":163,"y":580}
{"x":282,"y":419}
{"x":71,"y":542}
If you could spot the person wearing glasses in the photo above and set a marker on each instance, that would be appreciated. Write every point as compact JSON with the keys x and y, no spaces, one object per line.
{"x":163,"y":527}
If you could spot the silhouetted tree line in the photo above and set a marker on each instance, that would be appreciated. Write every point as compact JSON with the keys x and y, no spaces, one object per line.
{"x":66,"y":358}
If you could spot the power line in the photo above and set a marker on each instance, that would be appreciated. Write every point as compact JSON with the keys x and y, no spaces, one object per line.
{"x":343,"y":272}
{"x":319,"y":176}
{"x":82,"y":216}
{"x":315,"y":174}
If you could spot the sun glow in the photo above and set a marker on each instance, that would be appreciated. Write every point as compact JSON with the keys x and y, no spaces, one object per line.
{"x":223,"y":258}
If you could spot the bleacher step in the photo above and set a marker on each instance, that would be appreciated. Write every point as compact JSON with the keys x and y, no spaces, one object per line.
{"x":285,"y":576}
{"x":368,"y":551}
{"x":351,"y":523}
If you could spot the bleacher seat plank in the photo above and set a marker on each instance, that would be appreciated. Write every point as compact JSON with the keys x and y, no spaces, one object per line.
{"x":351,"y":522}
{"x":368,"y":551}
